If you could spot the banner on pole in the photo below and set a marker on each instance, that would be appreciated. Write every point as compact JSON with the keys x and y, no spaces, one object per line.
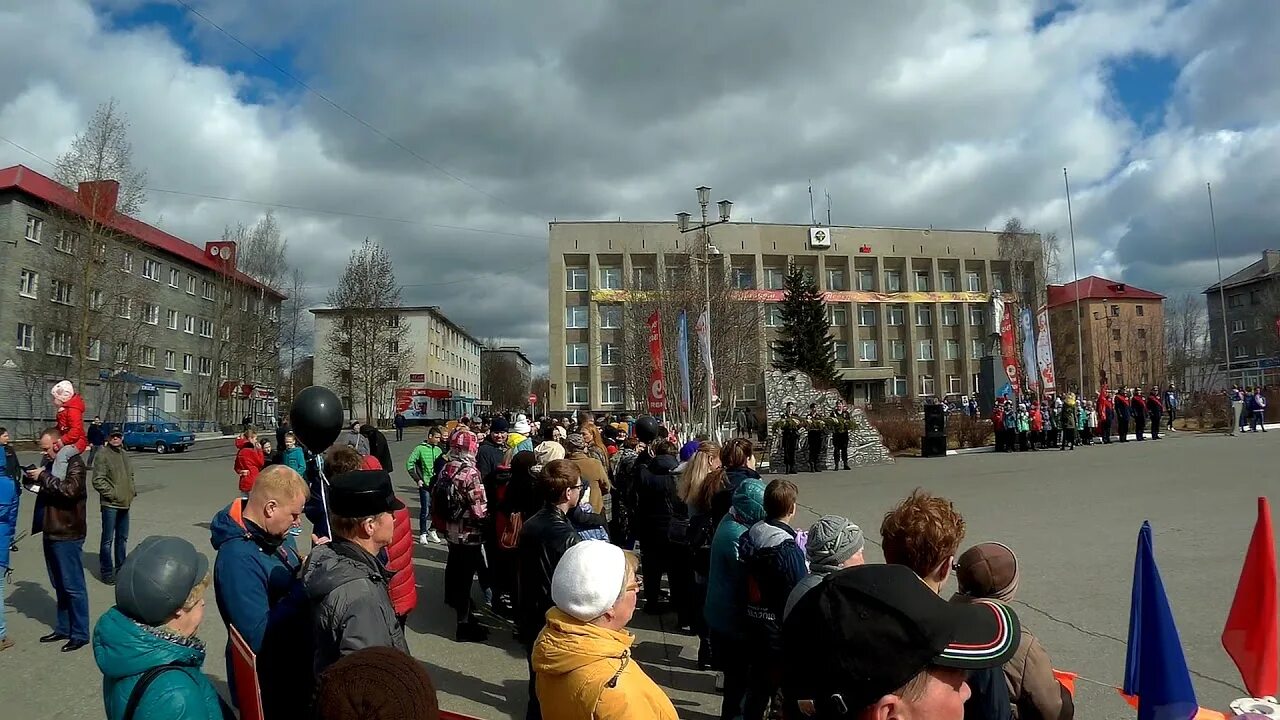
{"x":657,"y":386}
{"x":704,"y":344}
{"x":1044,"y":350}
{"x":1008,"y":351}
{"x":682,"y":328}
{"x":1029,"y":351}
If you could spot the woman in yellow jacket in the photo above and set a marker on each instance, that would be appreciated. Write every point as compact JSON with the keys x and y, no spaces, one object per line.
{"x":582,"y":658}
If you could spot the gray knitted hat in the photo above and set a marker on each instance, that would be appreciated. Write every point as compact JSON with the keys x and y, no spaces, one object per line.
{"x":832,"y":541}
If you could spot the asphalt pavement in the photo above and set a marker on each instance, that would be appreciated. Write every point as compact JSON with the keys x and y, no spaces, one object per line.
{"x":1072,"y":517}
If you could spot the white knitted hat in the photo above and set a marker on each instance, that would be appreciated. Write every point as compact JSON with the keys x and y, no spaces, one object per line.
{"x":588,"y":579}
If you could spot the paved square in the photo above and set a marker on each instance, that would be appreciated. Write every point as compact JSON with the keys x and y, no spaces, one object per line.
{"x":1072,"y":517}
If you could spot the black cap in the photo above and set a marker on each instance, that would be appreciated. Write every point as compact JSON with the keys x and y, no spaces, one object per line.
{"x":157,"y":577}
{"x":115,"y":432}
{"x":361,"y":493}
{"x":499,"y":424}
{"x":865,"y":631}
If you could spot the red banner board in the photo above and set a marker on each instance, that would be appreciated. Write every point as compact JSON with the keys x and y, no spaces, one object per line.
{"x":657,"y":386}
{"x":1008,"y":349}
{"x":244,"y":664}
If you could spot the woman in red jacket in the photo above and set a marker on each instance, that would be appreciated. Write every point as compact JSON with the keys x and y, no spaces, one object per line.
{"x":249,"y":460}
{"x":403,"y":587}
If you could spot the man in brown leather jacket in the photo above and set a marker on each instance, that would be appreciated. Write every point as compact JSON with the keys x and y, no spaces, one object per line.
{"x":59,"y":513}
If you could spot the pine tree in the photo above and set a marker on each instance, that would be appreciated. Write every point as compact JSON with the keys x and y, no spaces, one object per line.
{"x":805,"y":342}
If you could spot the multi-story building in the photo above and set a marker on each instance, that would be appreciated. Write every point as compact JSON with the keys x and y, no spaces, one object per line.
{"x":443,"y":366}
{"x":1252,"y":327}
{"x":505,"y":374}
{"x":151,"y":326}
{"x":908,"y":308}
{"x":1121,"y":335}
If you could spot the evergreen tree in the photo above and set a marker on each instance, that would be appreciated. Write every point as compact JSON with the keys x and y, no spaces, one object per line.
{"x":805,"y":342}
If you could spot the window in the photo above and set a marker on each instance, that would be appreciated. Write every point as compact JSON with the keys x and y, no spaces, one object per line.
{"x":1242,"y":351}
{"x":151,"y":314}
{"x":897,"y":350}
{"x":974,"y":382}
{"x":642,"y":278}
{"x":953,"y":385}
{"x":948,"y":281}
{"x":977,"y":318}
{"x":926,"y":350}
{"x":186,"y":401}
{"x":35,"y":228}
{"x":868,"y":350}
{"x":124,"y":307}
{"x":189,"y":324}
{"x":610,"y":354}
{"x":743,"y":278}
{"x":899,"y":387}
{"x":866,"y":280}
{"x":924,"y":315}
{"x":950,"y":315}
{"x":26,"y":337}
{"x":65,"y":242}
{"x":575,"y":316}
{"x":1255,"y":297}
{"x":122,"y":352}
{"x":748,"y":393}
{"x":191,"y":284}
{"x":892,"y":281}
{"x":147,"y":356}
{"x":897,"y":314}
{"x":612,"y":392}
{"x":58,"y":342}
{"x":187,"y":363}
{"x":1142,"y":356}
{"x":1142,"y":333}
{"x":93,"y":349}
{"x":839,"y":317}
{"x":171,"y":319}
{"x":575,"y":354}
{"x":174,"y":276}
{"x":1119,"y":356}
{"x":926,"y":385}
{"x":206,"y":290}
{"x":206,"y":366}
{"x":1235,"y":301}
{"x":1115,"y":334}
{"x":610,"y":317}
{"x":226,"y":333}
{"x":575,"y":278}
{"x":951,"y":349}
{"x":866,"y":316}
{"x":150,"y":269}
{"x":1115,"y":311}
{"x":126,"y":261}
{"x":62,"y":292}
{"x":99,"y":251}
{"x":1257,"y":323}
{"x":611,"y":278}
{"x":774,"y":278}
{"x":774,"y":355}
{"x":922,"y":281}
{"x":835,"y":280}
{"x":1140,"y":311}
{"x":976,"y":348}
{"x":224,"y":369}
{"x":28,"y":283}
{"x":393,"y":321}
{"x":578,"y":393}
{"x":170,"y":360}
{"x":1237,"y":326}
{"x":1257,"y":351}
{"x":773,"y":316}
{"x":842,"y":353}
{"x":206,"y":330}
{"x":997,"y":282}
{"x":273,"y":312}
{"x":973,"y":281}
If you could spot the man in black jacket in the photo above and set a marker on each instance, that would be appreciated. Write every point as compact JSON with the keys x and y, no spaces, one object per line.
{"x":493,"y":448}
{"x":544,"y":538}
{"x":655,"y":494}
{"x":378,"y":446}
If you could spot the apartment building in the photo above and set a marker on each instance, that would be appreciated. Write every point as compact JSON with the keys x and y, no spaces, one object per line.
{"x":1121,"y":333}
{"x":171,"y":325}
{"x":909,"y":308}
{"x":443,"y":378}
{"x":505,"y":374}
{"x":1252,"y":326}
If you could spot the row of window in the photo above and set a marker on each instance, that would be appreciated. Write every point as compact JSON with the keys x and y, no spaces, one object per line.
{"x":1238,"y":326}
{"x":58,"y":342}
{"x":578,"y":316}
{"x":575,"y":279}
{"x":612,"y":393}
{"x":1237,"y":300}
{"x":578,"y":354}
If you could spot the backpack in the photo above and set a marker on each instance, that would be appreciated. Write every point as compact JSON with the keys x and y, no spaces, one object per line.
{"x":451,"y":501}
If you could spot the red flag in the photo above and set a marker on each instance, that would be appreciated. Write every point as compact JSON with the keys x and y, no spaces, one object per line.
{"x":1250,"y":637}
{"x":657,"y":384}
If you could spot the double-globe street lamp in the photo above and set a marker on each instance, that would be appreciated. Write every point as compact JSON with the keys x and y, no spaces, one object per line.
{"x":708,"y":250}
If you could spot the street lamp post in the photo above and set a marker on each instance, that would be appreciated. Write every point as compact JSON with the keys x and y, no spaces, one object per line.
{"x":682,"y":222}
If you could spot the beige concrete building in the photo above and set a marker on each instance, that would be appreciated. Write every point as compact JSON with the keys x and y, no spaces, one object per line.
{"x":908,"y":308}
{"x":1121,"y":331}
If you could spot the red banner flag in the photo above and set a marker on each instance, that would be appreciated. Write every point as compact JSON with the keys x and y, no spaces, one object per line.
{"x":657,"y":386}
{"x":244,"y":666}
{"x":1008,"y":349}
{"x":1250,"y":637}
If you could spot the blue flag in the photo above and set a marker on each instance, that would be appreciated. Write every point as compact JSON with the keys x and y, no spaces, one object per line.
{"x":1154,"y":669}
{"x":682,"y":323}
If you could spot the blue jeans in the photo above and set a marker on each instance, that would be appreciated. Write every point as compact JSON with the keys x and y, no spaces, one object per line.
{"x":424,"y":511}
{"x":115,"y":527}
{"x":62,"y":558}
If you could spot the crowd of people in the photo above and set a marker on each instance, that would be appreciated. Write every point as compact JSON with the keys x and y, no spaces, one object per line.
{"x":1063,"y":422}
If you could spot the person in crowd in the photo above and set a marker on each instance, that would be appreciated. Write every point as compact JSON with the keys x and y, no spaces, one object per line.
{"x":461,"y":499}
{"x":1106,"y":414}
{"x":249,"y":459}
{"x":1035,"y":421}
{"x":1024,"y":427}
{"x":283,"y":428}
{"x":989,"y":571}
{"x":596,"y":447}
{"x":493,"y":449}
{"x":1123,"y":414}
{"x":655,"y":493}
{"x":582,"y":659}
{"x":1138,"y":409}
{"x":544,"y":538}
{"x":873,"y":642}
{"x":508,"y":491}
{"x":1051,"y":426}
{"x":398,"y":423}
{"x":1244,"y":412}
{"x":520,"y":436}
{"x":725,"y":609}
{"x":376,"y":683}
{"x":344,"y":580}
{"x":1171,"y":403}
{"x":694,"y":491}
{"x":834,"y":543}
{"x":1258,"y":406}
{"x":10,"y":495}
{"x":816,"y":437}
{"x":997,"y":425}
{"x":146,"y":645}
{"x":63,"y":524}
{"x":790,"y":438}
{"x":292,"y":456}
{"x":773,"y":564}
{"x":1155,"y":408}
{"x":268,"y":453}
{"x":840,"y":440}
{"x":1069,"y":421}
{"x":378,"y":446}
{"x":592,"y":471}
{"x":97,"y":436}
{"x":113,"y":480}
{"x":355,"y":439}
{"x":421,"y":467}
{"x":69,"y":419}
{"x":737,"y":465}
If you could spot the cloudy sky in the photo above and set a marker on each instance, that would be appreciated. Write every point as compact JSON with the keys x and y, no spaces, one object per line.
{"x":454,"y":130}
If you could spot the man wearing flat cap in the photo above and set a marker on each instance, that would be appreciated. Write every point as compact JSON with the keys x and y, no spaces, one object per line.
{"x":344,"y":580}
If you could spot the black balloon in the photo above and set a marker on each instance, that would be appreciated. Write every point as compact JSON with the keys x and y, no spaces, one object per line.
{"x":317,"y":418}
{"x":646,"y":428}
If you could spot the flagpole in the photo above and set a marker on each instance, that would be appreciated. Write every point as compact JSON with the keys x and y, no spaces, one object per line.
{"x":1222,"y":292}
{"x":1075,"y":270}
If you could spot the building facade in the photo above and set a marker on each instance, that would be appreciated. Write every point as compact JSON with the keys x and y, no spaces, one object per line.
{"x":1121,"y":333}
{"x":443,"y":367}
{"x":909,"y":309}
{"x":150,"y":326}
{"x":1252,"y":327}
{"x":505,"y":376}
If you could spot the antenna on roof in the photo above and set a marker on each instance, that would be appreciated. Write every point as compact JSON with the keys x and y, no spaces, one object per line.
{"x":828,"y":209}
{"x":813,"y":219}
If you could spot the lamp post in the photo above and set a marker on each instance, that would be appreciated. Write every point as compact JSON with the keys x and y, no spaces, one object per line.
{"x":708,"y":250}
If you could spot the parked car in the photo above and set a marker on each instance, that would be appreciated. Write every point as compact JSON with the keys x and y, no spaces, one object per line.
{"x":161,"y":437}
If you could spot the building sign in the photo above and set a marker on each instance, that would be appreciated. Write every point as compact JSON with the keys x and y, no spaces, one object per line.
{"x":834,"y":296}
{"x":417,"y":377}
{"x":417,"y":403}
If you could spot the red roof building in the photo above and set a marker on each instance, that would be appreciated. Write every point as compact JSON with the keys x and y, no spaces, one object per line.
{"x":1097,"y":288}
{"x":1118,"y":335}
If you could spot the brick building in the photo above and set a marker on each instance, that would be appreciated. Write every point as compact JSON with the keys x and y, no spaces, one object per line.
{"x":1122,"y":330}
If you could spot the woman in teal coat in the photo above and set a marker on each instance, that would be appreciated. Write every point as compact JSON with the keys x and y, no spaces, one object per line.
{"x":149,"y":629}
{"x":725,"y":609}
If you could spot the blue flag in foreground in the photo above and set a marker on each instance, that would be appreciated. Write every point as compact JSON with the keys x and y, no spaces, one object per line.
{"x":1155,"y":669}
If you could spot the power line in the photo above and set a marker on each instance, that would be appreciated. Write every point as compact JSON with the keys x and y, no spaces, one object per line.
{"x":436,"y":166}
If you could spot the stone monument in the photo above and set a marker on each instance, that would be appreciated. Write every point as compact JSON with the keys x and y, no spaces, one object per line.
{"x":866,"y":447}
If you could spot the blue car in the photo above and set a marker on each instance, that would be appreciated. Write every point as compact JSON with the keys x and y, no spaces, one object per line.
{"x":161,"y":437}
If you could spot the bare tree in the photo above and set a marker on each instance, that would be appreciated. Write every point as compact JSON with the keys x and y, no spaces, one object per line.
{"x":103,"y":152}
{"x":541,"y":386}
{"x":368,"y":350}
{"x":502,"y":379}
{"x":1185,"y":327}
{"x":296,"y":331}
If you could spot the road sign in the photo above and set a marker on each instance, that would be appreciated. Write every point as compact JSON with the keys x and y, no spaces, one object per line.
{"x":533,"y":399}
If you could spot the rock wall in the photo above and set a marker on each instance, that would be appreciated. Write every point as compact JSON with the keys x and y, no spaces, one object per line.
{"x":866,"y":447}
